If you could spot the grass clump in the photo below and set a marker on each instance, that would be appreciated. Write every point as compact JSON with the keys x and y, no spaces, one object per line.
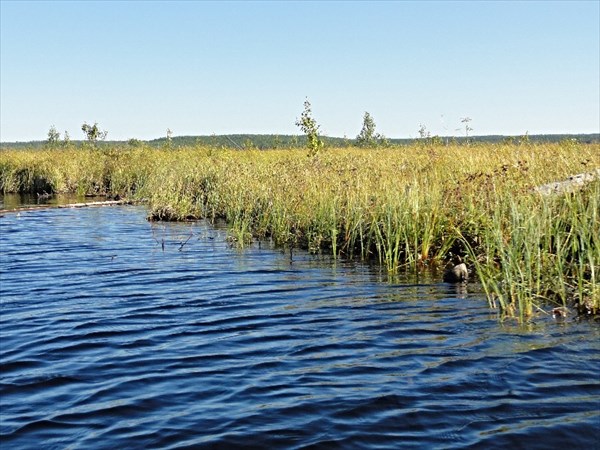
{"x":85,"y":171}
{"x":409,"y":206}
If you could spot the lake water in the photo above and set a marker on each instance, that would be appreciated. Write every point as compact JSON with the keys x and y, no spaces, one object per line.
{"x":118,"y":333}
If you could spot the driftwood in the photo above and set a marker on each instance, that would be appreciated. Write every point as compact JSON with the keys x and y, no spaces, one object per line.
{"x":69,"y":205}
{"x":572,"y":184}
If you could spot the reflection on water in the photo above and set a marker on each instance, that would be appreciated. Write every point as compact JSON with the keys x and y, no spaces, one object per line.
{"x":119,"y":333}
{"x":14,"y":201}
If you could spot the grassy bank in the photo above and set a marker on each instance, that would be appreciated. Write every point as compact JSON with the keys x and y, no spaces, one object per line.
{"x":405,"y":206}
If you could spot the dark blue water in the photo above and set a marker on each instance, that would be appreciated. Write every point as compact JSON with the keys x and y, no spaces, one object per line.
{"x":116,"y":333}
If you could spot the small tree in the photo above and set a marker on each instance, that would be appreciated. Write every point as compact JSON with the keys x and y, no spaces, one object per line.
{"x":367,"y":136}
{"x":423,"y":132}
{"x":53,"y":136}
{"x":309,"y":126}
{"x":92,"y":133}
{"x":426,"y":138}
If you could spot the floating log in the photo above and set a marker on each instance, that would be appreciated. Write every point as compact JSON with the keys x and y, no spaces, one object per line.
{"x":68,"y":205}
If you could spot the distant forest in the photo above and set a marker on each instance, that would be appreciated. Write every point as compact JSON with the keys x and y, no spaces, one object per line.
{"x":266,"y":141}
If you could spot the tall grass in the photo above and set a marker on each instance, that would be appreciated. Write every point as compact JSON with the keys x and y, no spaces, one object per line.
{"x":90,"y":171}
{"x":404,"y":207}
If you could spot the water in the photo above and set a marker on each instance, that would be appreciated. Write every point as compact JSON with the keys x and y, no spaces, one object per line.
{"x":119,"y":333}
{"x":13,"y":201}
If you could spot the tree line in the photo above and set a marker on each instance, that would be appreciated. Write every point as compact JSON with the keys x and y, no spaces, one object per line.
{"x":310,"y":139}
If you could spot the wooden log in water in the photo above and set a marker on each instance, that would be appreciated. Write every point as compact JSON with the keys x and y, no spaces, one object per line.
{"x":68,"y":205}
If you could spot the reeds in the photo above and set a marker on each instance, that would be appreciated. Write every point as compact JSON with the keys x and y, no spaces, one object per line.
{"x":111,"y":170}
{"x":404,"y":206}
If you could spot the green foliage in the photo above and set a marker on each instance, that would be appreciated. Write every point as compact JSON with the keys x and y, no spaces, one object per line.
{"x":436,"y":140}
{"x":249,"y":145}
{"x":270,"y":141}
{"x":134,"y":142}
{"x":93,"y":133}
{"x":53,"y":136}
{"x":426,"y":138}
{"x":309,"y":127}
{"x":367,"y":136}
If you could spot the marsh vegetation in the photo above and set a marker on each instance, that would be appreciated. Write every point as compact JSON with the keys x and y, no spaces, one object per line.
{"x":406,"y":207}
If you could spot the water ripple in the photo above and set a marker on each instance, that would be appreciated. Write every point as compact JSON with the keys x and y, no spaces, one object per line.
{"x":114,"y":335}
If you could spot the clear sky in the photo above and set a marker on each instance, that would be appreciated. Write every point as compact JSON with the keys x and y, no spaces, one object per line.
{"x":198,"y":68}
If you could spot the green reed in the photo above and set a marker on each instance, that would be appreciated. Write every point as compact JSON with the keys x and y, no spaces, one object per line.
{"x":405,"y":206}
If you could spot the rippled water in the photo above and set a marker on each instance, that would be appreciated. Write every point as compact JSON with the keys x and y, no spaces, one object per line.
{"x":117,"y":333}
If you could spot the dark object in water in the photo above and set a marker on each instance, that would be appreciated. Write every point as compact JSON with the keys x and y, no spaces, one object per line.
{"x":456,"y":274}
{"x":560,"y":312}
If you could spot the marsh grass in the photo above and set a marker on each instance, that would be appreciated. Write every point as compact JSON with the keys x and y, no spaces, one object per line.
{"x":541,"y":251}
{"x":85,"y":171}
{"x":405,"y":207}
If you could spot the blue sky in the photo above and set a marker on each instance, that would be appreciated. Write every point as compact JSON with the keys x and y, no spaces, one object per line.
{"x":138,"y":68}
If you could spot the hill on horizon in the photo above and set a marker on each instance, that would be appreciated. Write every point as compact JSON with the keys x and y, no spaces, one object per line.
{"x":266,"y":141}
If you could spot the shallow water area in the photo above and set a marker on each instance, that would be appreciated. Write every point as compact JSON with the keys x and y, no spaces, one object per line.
{"x":120,"y":333}
{"x":10,"y":202}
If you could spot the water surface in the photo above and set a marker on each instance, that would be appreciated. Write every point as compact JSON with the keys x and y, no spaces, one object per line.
{"x":9,"y":202}
{"x":119,"y":333}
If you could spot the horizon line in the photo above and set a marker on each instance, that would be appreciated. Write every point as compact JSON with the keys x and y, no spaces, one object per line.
{"x":595,"y":133}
